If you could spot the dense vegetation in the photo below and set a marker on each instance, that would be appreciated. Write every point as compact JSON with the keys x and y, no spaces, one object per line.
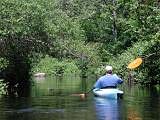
{"x":85,"y":34}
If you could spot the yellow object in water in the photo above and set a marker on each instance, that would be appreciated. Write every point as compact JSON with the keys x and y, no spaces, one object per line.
{"x":135,"y":63}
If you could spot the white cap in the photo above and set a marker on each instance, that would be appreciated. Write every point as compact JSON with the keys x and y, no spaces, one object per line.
{"x":108,"y":68}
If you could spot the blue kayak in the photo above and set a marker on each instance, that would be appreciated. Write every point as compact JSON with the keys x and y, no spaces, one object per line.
{"x":110,"y":93}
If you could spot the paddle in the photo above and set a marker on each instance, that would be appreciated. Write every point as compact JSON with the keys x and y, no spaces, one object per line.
{"x":135,"y":63}
{"x":83,"y":95}
{"x":138,"y":61}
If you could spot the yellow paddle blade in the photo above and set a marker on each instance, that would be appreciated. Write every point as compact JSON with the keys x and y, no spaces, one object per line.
{"x":135,"y":63}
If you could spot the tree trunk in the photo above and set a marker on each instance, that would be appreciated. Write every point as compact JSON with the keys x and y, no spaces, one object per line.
{"x":114,"y":28}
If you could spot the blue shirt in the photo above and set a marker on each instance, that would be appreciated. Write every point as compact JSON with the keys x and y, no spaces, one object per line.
{"x":108,"y":80}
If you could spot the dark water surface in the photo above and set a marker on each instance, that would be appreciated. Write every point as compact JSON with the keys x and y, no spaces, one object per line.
{"x":56,"y":98}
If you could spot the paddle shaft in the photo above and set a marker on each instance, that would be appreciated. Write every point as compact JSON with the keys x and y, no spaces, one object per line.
{"x":89,"y":91}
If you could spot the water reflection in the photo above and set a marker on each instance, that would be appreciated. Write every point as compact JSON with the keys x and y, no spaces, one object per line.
{"x":54,"y":98}
{"x":107,"y":109}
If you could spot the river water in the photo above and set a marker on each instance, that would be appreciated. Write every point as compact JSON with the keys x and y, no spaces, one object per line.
{"x":57,"y":98}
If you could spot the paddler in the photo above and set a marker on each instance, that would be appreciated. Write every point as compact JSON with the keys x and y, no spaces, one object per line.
{"x":109,"y":80}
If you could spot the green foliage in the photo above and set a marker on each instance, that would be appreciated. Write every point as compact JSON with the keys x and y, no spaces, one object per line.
{"x":22,"y":34}
{"x":3,"y":63}
{"x":137,"y":27}
{"x":140,"y":49}
{"x":33,"y":27}
{"x":3,"y":87}
{"x":151,"y":65}
{"x":53,"y":66}
{"x":22,"y":27}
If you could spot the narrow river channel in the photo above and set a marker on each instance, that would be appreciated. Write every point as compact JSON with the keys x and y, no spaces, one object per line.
{"x":57,"y":98}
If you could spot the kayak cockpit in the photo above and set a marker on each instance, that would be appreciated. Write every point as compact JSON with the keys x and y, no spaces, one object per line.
{"x":110,"y":93}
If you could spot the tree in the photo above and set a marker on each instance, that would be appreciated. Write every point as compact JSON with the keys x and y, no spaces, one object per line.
{"x":30,"y":28}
